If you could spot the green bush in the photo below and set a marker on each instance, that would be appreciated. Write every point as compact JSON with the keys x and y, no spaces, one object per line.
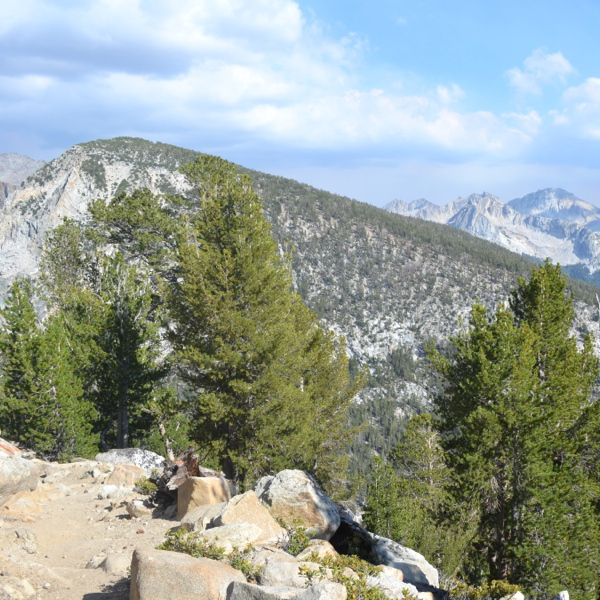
{"x":144,"y":486}
{"x":298,"y":539}
{"x":188,"y":542}
{"x":355,"y":582}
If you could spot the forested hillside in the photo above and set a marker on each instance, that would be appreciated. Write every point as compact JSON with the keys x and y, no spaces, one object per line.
{"x":387,"y":283}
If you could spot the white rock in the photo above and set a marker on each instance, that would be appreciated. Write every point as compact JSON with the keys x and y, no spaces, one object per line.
{"x":293,"y":495}
{"x":413,"y":565}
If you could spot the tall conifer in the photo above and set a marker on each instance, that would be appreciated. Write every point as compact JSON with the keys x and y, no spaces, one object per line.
{"x":517,"y":387}
{"x":272,"y":386}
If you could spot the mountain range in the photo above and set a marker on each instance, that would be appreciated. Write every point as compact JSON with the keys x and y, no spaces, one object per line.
{"x":387,"y":282}
{"x":548,"y":223}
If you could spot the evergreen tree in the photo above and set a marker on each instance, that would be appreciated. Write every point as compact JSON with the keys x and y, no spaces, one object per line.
{"x":18,"y":342}
{"x":517,"y":386}
{"x":128,"y":376}
{"x":272,"y":386}
{"x":382,"y":513}
{"x":42,"y":404}
{"x":408,"y":500}
{"x":109,"y":313}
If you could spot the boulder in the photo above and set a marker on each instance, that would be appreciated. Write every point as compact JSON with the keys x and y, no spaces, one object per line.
{"x":246,"y":508}
{"x":199,"y":491}
{"x":199,"y":518}
{"x":116,"y":564}
{"x":165,"y":575}
{"x":140,"y":458}
{"x":113,"y":492}
{"x":564,"y":595}
{"x":125,"y":475}
{"x":26,"y":504}
{"x":321,"y":548}
{"x":8,"y":449}
{"x":16,"y":474}
{"x":320,"y":591}
{"x":259,"y":557}
{"x":235,"y":536}
{"x":413,"y":565}
{"x":392,"y":587}
{"x":392,"y":572}
{"x":324,"y":591}
{"x":250,"y":591}
{"x":286,"y":573}
{"x":294,"y":496}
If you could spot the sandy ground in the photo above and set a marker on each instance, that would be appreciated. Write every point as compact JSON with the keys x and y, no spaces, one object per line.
{"x":53,"y":536}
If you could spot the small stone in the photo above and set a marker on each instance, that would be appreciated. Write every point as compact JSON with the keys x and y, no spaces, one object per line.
{"x":137,"y":509}
{"x":95,"y":561}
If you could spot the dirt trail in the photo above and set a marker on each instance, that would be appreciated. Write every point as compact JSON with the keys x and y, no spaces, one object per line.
{"x":49,"y":537}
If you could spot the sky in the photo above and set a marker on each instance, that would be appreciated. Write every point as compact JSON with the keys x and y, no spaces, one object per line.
{"x":375,"y":100}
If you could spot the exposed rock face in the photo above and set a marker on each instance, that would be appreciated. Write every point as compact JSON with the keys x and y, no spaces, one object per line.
{"x":412,"y":564}
{"x":200,"y":491}
{"x":286,"y":573}
{"x":162,"y":575}
{"x":246,"y":508}
{"x":125,"y":475}
{"x":320,"y":591}
{"x":8,"y":449}
{"x":199,"y":518}
{"x":295,"y":495}
{"x":140,"y":458}
{"x":16,"y":474}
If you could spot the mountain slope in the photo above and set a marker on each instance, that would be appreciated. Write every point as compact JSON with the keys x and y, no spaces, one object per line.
{"x":387,"y":282}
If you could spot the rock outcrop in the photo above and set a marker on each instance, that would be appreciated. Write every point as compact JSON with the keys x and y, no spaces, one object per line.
{"x":16,"y":475}
{"x":144,"y":459}
{"x":164,"y":575}
{"x":294,"y":496}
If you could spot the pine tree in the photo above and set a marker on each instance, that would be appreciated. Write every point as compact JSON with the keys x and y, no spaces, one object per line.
{"x":517,"y":386}
{"x":408,"y":499}
{"x":130,"y":371}
{"x":17,"y":352}
{"x":42,"y":401}
{"x":109,"y":314}
{"x":272,"y":386}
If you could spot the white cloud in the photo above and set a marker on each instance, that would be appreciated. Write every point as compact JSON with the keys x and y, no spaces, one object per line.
{"x":581,"y":112}
{"x":540,"y":69}
{"x":251,"y":71}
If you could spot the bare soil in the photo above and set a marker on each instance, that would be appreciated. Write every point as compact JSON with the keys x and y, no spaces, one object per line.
{"x":53,"y":537}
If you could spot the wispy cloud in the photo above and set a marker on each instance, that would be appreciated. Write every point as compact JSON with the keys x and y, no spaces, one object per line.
{"x":541,"y":68}
{"x":252,"y":73}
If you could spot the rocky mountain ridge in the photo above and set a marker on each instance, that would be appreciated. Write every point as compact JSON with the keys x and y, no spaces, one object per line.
{"x":548,"y":223}
{"x":388,"y":283}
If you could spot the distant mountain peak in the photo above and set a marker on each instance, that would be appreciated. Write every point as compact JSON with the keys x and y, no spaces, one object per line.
{"x":551,"y":222}
{"x":15,"y":168}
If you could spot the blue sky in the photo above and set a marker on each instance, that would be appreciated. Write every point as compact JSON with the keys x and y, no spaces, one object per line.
{"x":375,"y":100}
